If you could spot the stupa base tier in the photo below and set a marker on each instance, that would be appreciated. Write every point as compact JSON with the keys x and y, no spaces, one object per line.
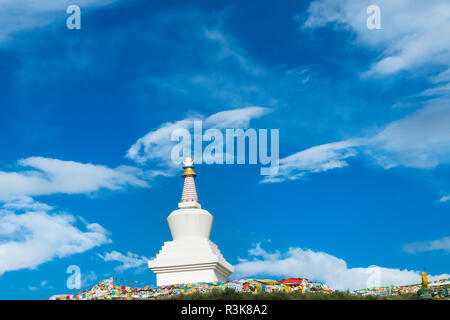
{"x":189,"y":260}
{"x":202,"y":272}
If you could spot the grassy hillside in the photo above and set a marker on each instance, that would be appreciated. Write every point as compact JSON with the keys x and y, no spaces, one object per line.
{"x":230,"y":294}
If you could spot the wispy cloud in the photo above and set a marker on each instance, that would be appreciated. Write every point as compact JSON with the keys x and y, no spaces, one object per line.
{"x":228,"y":49}
{"x":26,"y":203}
{"x":445,"y":198}
{"x":35,"y":237}
{"x":321,"y":266}
{"x":303,"y":74}
{"x":440,"y":244}
{"x":23,"y":15}
{"x":235,"y":118}
{"x":319,"y":158}
{"x":220,"y":72}
{"x":411,"y":36}
{"x":156,"y":145}
{"x":44,"y":284}
{"x":444,"y":76}
{"x":438,"y":91}
{"x":420,"y":140}
{"x":129,"y":261}
{"x":43,"y":176}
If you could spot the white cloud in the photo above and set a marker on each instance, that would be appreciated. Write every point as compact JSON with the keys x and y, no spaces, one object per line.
{"x":439,"y":91}
{"x":228,"y":49}
{"x":321,"y":266}
{"x":411,"y":35}
{"x":23,"y":15}
{"x":50,"y":176}
{"x":303,"y":74}
{"x":440,"y":244}
{"x":26,"y":203}
{"x":420,"y":140}
{"x":43,"y":285}
{"x":237,"y":118}
{"x":129,"y":261}
{"x":157,"y":146}
{"x":35,"y":237}
{"x":319,"y":158}
{"x":444,"y":76}
{"x":445,"y":198}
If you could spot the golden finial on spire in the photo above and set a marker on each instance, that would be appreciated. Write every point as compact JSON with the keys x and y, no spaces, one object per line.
{"x":188,"y":167}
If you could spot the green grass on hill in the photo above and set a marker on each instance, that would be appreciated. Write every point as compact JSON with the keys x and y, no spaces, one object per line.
{"x":229,"y":294}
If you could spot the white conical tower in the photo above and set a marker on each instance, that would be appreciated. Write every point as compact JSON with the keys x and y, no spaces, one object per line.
{"x":191,"y":256}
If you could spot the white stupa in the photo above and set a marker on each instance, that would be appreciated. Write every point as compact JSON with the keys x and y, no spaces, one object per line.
{"x":191,"y":256}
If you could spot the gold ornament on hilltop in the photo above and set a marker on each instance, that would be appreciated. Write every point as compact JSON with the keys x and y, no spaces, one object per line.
{"x":424,"y":293}
{"x":424,"y":280}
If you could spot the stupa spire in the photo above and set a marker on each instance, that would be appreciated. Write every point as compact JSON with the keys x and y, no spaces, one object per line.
{"x":189,"y":198}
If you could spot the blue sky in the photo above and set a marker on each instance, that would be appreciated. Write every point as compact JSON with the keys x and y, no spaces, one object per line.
{"x":363,"y":116}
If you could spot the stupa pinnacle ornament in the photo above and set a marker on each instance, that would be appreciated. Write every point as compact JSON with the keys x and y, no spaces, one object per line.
{"x":191,"y":256}
{"x":189,"y":197}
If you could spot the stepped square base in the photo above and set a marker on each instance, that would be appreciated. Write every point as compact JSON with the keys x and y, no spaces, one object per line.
{"x":188,"y":261}
{"x":184,"y":275}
